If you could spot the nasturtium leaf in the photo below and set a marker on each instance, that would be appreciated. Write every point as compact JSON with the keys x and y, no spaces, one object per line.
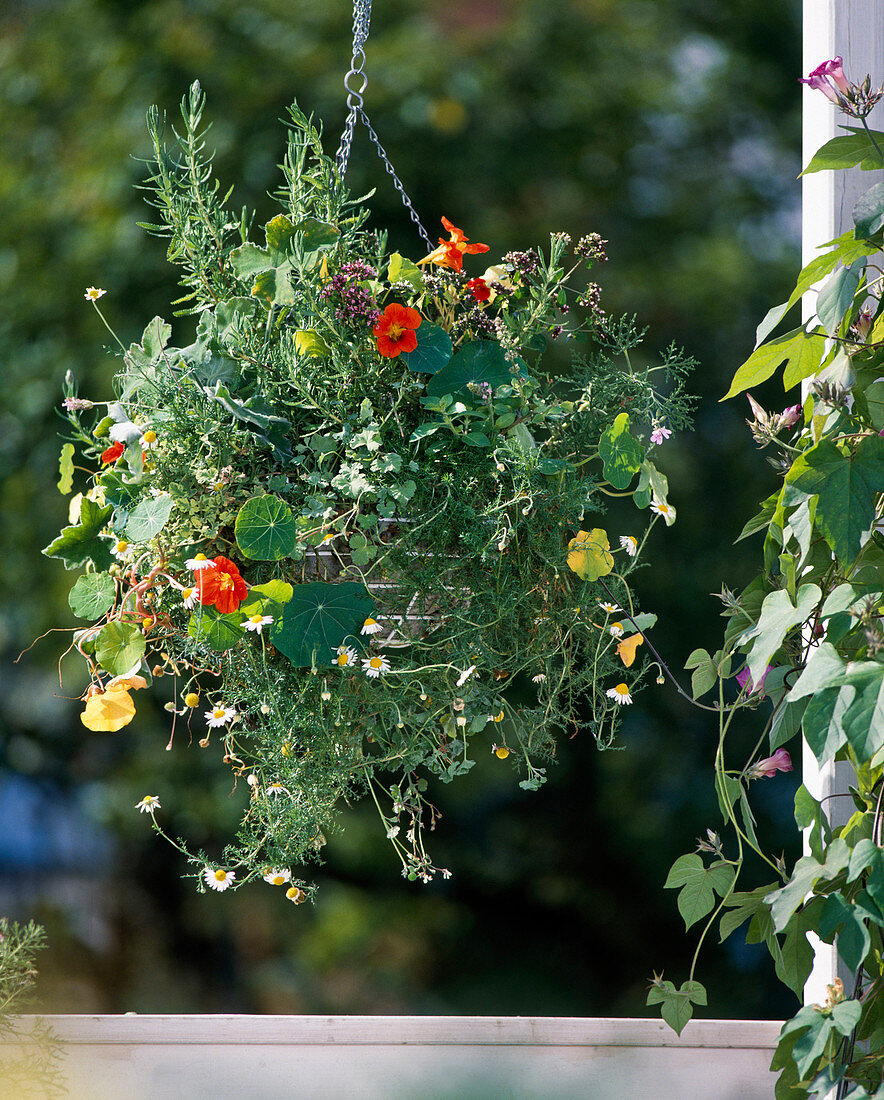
{"x":148,"y":518}
{"x":626,"y":648}
{"x":434,"y":350}
{"x":108,"y":711}
{"x":699,"y":885}
{"x":621,"y":454}
{"x":868,"y":211}
{"x":590,"y":556}
{"x":310,"y":344}
{"x":847,"y":485}
{"x":266,"y":598}
{"x":66,"y":469}
{"x":79,"y":544}
{"x":479,"y":361}
{"x":846,"y":151}
{"x":119,"y":647}
{"x":675,"y":1004}
{"x":265,"y":528}
{"x":317,"y":619}
{"x":217,"y":631}
{"x":835,"y":296}
{"x":92,"y":596}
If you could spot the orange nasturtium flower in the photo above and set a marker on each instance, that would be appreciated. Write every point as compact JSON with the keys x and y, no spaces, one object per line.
{"x":394,"y":330}
{"x":113,"y":452}
{"x":450,"y":253}
{"x":221,"y":585}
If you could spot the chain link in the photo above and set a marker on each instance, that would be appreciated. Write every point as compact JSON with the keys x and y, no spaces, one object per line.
{"x":355,"y":83}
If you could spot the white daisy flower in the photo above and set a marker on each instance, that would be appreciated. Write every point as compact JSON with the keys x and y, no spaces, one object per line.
{"x":200,"y":561}
{"x":620,"y":695}
{"x":278,"y":877}
{"x":665,"y":510}
{"x":189,"y":598}
{"x":346,"y":656}
{"x":148,"y":804}
{"x":121,"y":550}
{"x":375,"y":666}
{"x":276,"y":788}
{"x":93,"y":293}
{"x":539,"y":678}
{"x":629,"y":544}
{"x":370,"y":626}
{"x":465,"y":675}
{"x":218,"y":880}
{"x":257,"y":622}
{"x":610,"y":608}
{"x":148,"y":440}
{"x":220,"y":716}
{"x":616,"y":630}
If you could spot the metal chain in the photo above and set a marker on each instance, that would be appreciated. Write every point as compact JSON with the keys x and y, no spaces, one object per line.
{"x":355,"y":83}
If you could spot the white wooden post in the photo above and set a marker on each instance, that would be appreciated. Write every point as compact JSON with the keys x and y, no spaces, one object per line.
{"x":853,"y":29}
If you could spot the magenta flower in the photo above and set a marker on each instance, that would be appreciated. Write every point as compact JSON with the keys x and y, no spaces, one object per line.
{"x":790,"y":416}
{"x":770,"y":765}
{"x":660,"y":435}
{"x":744,"y":679}
{"x":829,"y":79}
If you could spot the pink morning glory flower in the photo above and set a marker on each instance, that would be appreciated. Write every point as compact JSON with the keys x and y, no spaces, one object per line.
{"x":660,"y":435}
{"x":790,"y":416}
{"x":770,"y":765}
{"x":744,"y":679}
{"x":829,"y":79}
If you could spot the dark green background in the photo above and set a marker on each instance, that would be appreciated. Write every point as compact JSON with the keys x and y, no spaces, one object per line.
{"x":672,"y":129}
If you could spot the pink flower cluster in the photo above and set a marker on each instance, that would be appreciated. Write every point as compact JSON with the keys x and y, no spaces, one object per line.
{"x":829,"y":79}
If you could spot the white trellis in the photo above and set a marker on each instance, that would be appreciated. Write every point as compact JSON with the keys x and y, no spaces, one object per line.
{"x":853,"y":29}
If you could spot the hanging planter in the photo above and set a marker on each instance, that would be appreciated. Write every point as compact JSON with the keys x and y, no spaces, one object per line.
{"x":349,"y":520}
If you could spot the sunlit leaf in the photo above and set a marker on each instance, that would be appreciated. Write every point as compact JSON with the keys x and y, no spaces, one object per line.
{"x":590,"y":556}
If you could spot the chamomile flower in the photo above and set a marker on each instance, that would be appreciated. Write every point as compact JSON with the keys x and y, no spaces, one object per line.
{"x":257,"y":622}
{"x":500,"y":751}
{"x":620,"y":695}
{"x":148,"y":440}
{"x":663,"y":509}
{"x":370,"y":626}
{"x":630,"y":544}
{"x":497,"y":717}
{"x":148,"y":804}
{"x":218,"y":879}
{"x":121,"y":550}
{"x":278,"y":877}
{"x":375,"y":666}
{"x":616,"y":630}
{"x":345,"y":656}
{"x":189,"y":598}
{"x":295,"y":895}
{"x":465,"y":675}
{"x":93,"y":293}
{"x":276,"y":788}
{"x":610,"y":608}
{"x":198,"y":562}
{"x":539,"y":678}
{"x":220,"y":716}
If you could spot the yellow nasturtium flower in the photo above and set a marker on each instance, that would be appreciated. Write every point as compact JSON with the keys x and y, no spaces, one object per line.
{"x":626,"y":648}
{"x":590,"y":555}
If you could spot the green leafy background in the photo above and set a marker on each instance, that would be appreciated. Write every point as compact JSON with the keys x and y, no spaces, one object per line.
{"x":670,"y":128}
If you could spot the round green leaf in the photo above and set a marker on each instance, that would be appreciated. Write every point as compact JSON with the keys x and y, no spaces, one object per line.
{"x":92,"y":596}
{"x":119,"y":647}
{"x":318,"y":618}
{"x":219,"y":632}
{"x":479,"y":361}
{"x":433,"y":351}
{"x":621,"y":454}
{"x":148,"y":518}
{"x":265,"y":529}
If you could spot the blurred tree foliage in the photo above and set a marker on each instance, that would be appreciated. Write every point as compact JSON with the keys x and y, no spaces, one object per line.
{"x":670,"y":127}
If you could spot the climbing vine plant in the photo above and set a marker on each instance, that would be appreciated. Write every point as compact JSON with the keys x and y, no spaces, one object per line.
{"x":804,"y":646}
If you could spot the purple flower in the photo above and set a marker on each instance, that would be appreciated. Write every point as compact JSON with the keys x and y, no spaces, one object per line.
{"x":770,"y":765}
{"x":790,"y":416}
{"x":744,"y":679}
{"x":660,"y":435}
{"x":829,"y":79}
{"x":76,"y":404}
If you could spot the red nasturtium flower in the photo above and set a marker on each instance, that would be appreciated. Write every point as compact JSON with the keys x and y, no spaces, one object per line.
{"x":450,"y":253}
{"x":395,"y":330}
{"x":221,"y":585}
{"x":113,"y":452}
{"x":480,"y":290}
